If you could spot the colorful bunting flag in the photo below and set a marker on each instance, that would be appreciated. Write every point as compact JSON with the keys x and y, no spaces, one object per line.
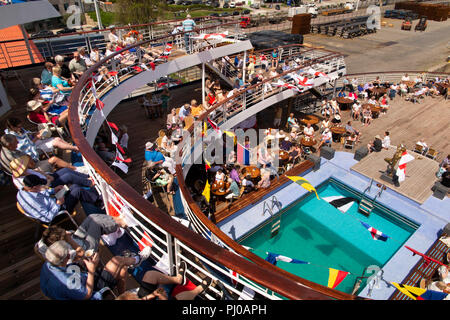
{"x":207,"y":165}
{"x":243,"y":155}
{"x":145,"y":241}
{"x":304,"y":183}
{"x":427,"y":259}
{"x":214,"y":126}
{"x":336,"y":277}
{"x":206,"y":192}
{"x":376,"y":234}
{"x":401,"y":170}
{"x":340,"y":202}
{"x":273,"y":258}
{"x":113,"y":125}
{"x":419,"y":293}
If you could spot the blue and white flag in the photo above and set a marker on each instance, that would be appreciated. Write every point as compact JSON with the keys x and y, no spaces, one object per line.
{"x":274,"y":257}
{"x":376,"y":234}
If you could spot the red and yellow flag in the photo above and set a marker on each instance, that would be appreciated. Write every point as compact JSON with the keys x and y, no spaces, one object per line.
{"x":336,"y":277}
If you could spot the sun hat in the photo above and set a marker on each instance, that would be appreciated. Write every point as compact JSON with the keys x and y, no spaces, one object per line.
{"x":33,"y":105}
{"x":148,"y":145}
{"x":377,"y":137}
{"x":19,"y":165}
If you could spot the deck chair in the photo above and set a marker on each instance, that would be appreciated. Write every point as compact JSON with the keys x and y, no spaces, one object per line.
{"x":69,"y":217}
{"x":158,"y":141}
{"x":161,"y":133}
{"x":432,"y":153}
{"x":188,"y":121}
{"x":349,"y":143}
{"x":53,"y":127}
{"x":418,"y":149}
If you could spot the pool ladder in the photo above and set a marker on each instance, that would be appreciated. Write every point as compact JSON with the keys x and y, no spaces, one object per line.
{"x":366,"y":205}
{"x":276,"y":221}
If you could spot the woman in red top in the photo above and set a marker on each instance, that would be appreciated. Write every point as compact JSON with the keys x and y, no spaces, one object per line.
{"x":38,"y":115}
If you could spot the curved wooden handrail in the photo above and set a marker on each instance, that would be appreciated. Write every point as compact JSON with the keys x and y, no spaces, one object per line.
{"x":265,"y":277}
{"x":225,"y":238}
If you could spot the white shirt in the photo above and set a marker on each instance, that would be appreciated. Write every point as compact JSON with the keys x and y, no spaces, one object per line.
{"x":95,"y":56}
{"x":113,"y":38}
{"x":308,"y":131}
{"x":405,"y":78}
{"x":220,"y":176}
{"x":386,"y":142}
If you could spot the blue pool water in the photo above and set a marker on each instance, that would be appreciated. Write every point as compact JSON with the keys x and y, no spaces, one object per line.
{"x":313,"y":230}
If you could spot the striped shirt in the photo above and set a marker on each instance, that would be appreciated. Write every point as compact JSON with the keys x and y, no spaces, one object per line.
{"x":38,"y":205}
{"x":188,"y":25}
{"x":25,"y":144}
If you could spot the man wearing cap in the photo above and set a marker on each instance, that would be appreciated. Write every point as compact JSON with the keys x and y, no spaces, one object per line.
{"x":188,"y":26}
{"x":39,"y":202}
{"x":184,"y":112}
{"x":155,"y":158}
{"x":376,"y":145}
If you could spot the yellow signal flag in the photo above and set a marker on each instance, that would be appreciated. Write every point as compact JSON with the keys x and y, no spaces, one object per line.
{"x":207,"y":191}
{"x":304,"y":183}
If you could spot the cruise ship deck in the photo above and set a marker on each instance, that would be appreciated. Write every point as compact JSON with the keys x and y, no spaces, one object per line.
{"x":406,"y":122}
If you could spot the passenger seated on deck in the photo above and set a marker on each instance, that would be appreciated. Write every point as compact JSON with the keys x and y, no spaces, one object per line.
{"x":39,"y":202}
{"x":152,"y":287}
{"x":247,"y":185}
{"x":38,"y":114}
{"x":163,"y":178}
{"x":86,"y":237}
{"x":376,"y":145}
{"x":265,"y":180}
{"x":56,"y":278}
{"x":35,"y":145}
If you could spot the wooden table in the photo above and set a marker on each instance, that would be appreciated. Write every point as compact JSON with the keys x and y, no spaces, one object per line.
{"x":311,"y":119}
{"x":284,"y":155}
{"x":409,"y":83}
{"x":337,"y":133}
{"x":219,"y":188}
{"x":375,"y":110}
{"x":308,"y":142}
{"x":378,"y":92}
{"x":344,"y":103}
{"x":253,"y":171}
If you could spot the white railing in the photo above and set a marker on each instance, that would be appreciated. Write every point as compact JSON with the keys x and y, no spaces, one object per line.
{"x":165,"y":245}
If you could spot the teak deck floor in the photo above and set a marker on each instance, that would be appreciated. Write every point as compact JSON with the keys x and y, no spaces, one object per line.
{"x":420,"y":173}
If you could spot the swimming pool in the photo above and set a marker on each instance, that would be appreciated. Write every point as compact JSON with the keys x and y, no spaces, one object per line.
{"x":315,"y":231}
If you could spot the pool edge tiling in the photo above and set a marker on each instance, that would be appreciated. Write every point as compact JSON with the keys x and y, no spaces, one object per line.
{"x":431,"y":216}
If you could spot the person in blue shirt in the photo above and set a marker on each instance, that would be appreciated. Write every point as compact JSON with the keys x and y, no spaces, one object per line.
{"x":64,"y":276}
{"x":153,"y":155}
{"x":46,"y":75}
{"x":188,"y":26}
{"x":341,"y":94}
{"x":38,"y":201}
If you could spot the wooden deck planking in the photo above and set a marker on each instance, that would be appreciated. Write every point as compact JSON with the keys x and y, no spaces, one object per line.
{"x":420,"y":173}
